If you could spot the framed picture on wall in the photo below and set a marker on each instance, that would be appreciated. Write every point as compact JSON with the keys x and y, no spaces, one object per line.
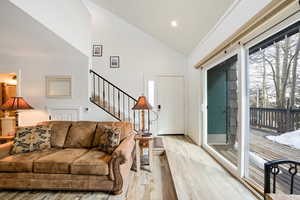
{"x":59,"y":86}
{"x":114,"y":61}
{"x":97,"y":50}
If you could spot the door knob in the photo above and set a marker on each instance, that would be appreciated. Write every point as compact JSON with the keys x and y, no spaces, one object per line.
{"x":158,"y":107}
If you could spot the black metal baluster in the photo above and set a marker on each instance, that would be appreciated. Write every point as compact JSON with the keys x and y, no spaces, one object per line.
{"x":93,"y":87}
{"x":114,"y":105}
{"x":275,"y":171}
{"x":128,"y":109}
{"x":108,"y":102}
{"x":124,"y":107}
{"x":103,"y":99}
{"x":99,"y":91}
{"x":119,"y":104}
{"x":267,"y":176}
{"x":293,"y":171}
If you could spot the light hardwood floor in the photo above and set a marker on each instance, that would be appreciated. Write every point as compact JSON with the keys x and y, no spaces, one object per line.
{"x":197,"y":176}
{"x":155,"y":186}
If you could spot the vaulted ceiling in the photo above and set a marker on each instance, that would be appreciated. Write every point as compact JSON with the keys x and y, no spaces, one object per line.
{"x":195,"y":18}
{"x":21,"y":35}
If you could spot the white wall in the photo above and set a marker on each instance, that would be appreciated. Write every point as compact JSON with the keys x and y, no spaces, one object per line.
{"x":239,"y":14}
{"x":69,"y":19}
{"x":33,"y":72}
{"x":140,"y":54}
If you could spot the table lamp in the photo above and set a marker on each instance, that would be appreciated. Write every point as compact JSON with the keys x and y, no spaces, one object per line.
{"x":142,"y":104}
{"x":15,"y":104}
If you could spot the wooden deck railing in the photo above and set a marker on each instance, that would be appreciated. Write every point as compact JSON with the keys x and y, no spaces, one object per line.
{"x":280,"y":120}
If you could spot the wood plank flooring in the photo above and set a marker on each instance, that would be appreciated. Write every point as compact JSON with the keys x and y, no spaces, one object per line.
{"x":197,"y":176}
{"x":268,"y":150}
{"x":155,"y":186}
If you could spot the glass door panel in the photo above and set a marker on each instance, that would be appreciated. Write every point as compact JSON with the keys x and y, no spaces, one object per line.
{"x":274,"y":104}
{"x":222,"y":109}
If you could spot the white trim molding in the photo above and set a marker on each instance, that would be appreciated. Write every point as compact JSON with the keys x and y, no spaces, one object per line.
{"x":65,"y":113}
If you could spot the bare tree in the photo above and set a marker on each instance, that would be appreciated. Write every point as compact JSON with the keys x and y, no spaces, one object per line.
{"x":275,"y":75}
{"x":264,"y":89}
{"x":281,"y":72}
{"x":294,"y":73}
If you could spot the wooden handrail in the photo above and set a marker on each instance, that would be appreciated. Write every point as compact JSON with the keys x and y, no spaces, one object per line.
{"x":281,"y":120}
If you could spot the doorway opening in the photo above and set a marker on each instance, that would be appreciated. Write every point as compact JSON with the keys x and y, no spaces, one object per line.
{"x":8,"y":89}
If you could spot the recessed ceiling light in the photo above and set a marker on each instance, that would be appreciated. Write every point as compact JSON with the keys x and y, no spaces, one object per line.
{"x":174,"y":23}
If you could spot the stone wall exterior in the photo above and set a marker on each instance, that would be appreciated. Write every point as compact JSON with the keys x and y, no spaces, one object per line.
{"x":232,"y":101}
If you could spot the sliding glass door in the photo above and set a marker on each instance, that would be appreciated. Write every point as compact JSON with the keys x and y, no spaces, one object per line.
{"x":222,"y":111}
{"x":251,"y":106}
{"x":274,"y":105}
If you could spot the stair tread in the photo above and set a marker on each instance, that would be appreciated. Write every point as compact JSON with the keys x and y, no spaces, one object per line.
{"x":110,"y":109}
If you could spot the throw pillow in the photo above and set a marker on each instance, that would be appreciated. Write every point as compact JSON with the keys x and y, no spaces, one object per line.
{"x":30,"y":139}
{"x":110,"y":139}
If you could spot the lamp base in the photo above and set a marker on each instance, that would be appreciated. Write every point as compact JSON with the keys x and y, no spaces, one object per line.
{"x":6,"y":114}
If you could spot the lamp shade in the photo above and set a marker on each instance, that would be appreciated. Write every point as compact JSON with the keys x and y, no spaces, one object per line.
{"x":142,"y":104}
{"x":15,"y":103}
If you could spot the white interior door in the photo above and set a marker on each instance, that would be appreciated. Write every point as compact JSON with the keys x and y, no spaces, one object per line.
{"x":170,"y":98}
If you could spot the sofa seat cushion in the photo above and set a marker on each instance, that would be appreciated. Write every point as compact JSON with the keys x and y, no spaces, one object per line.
{"x":81,"y":135}
{"x":23,"y":162}
{"x":94,"y":162}
{"x":59,"y":162}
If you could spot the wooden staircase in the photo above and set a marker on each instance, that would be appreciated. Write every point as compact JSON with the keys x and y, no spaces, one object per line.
{"x":116,"y":102}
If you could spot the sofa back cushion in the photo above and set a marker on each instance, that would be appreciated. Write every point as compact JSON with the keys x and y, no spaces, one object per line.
{"x":59,"y":132}
{"x":125,"y":127}
{"x":81,"y":135}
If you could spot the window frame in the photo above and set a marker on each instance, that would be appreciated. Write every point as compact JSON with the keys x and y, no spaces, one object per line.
{"x":221,"y":159}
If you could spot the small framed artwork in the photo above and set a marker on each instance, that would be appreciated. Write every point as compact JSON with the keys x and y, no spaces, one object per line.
{"x":59,"y":86}
{"x":114,"y":61}
{"x":97,"y":50}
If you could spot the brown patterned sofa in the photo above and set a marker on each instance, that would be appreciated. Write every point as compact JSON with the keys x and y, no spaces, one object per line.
{"x":72,"y":163}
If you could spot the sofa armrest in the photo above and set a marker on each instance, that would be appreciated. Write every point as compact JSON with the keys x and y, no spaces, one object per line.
{"x":125,"y":149}
{"x":5,"y":149}
{"x":121,"y":162}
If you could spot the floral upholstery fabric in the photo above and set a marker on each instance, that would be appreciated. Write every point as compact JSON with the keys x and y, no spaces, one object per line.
{"x":126,"y":129}
{"x":29,"y":139}
{"x":110,"y":139}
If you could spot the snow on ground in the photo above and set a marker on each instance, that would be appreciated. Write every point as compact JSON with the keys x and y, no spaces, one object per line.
{"x":291,"y":139}
{"x":257,"y":160}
